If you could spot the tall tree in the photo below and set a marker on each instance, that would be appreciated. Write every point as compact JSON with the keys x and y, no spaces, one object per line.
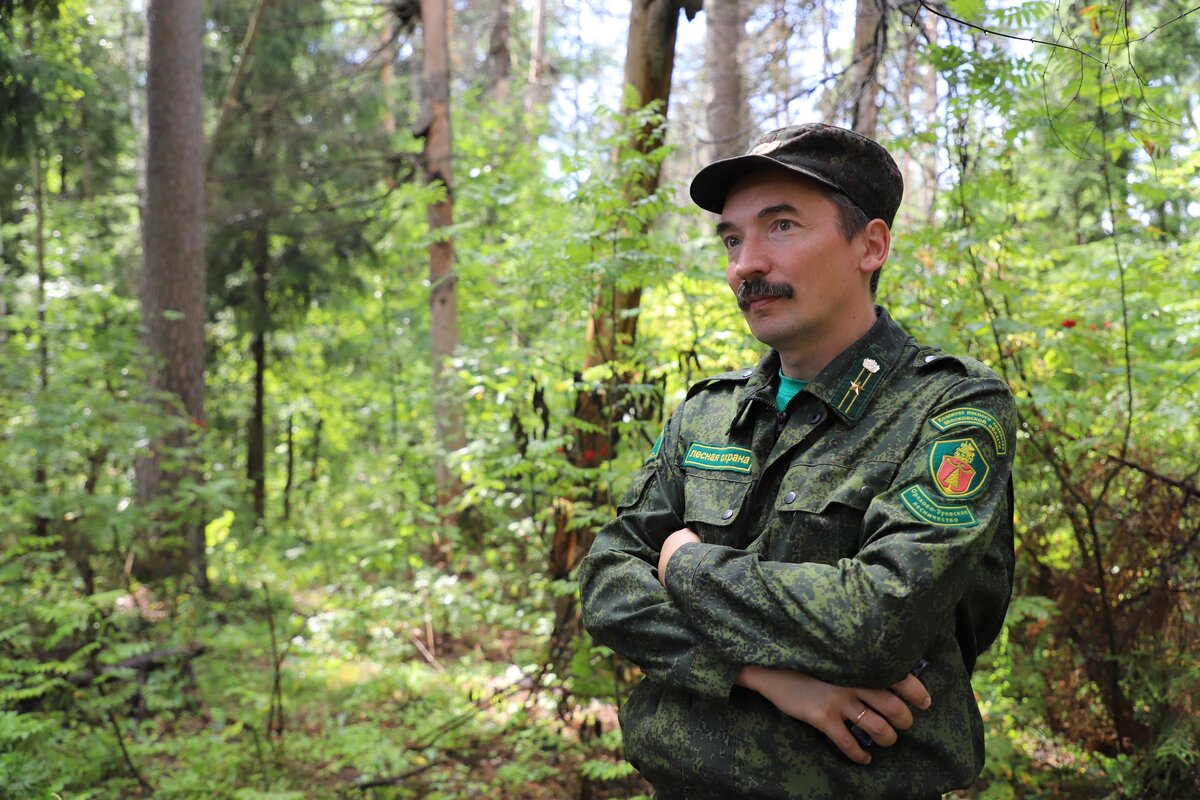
{"x":173,"y":281}
{"x":443,"y":293}
{"x":612,"y":326}
{"x":726,"y":111}
{"x":499,"y":57}
{"x":870,"y":39}
{"x":536,"y":97}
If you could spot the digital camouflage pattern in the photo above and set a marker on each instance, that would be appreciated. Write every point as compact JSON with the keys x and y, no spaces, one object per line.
{"x":838,"y":542}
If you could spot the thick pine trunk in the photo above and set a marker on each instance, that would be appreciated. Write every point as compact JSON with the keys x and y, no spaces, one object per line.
{"x":443,"y":296}
{"x":173,"y":288}
{"x":726,"y":111}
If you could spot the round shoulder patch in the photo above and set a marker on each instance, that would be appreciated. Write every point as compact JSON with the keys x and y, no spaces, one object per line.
{"x":958,"y":467}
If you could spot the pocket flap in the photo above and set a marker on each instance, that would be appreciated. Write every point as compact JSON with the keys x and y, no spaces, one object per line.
{"x":815,"y":487}
{"x":713,"y":500}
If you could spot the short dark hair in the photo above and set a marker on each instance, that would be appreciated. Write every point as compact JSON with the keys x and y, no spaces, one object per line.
{"x":852,"y":221}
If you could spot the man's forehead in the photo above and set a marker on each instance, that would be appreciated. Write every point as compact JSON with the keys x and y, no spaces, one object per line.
{"x":762,"y":194}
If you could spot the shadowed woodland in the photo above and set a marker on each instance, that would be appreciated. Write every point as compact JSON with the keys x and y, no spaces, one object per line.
{"x":332,"y":330}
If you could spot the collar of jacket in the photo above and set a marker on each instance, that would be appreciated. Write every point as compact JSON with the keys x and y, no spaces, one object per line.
{"x":847,"y":384}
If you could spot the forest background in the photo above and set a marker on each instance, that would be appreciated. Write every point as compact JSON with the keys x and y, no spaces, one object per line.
{"x":331,"y":329}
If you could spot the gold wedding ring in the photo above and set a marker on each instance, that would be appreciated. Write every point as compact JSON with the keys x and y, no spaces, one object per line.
{"x":861,"y":714}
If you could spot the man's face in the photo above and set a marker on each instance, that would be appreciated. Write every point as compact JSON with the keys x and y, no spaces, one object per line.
{"x":795,"y":274}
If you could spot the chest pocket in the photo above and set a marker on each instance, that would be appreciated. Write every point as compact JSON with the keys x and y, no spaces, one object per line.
{"x":713,"y":503}
{"x":819,"y":510}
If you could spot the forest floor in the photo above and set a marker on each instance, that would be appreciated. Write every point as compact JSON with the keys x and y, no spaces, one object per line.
{"x":434,"y":690}
{"x":380,"y":687}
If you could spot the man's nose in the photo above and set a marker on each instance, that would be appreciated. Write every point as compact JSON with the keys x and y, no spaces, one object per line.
{"x":751,"y":260}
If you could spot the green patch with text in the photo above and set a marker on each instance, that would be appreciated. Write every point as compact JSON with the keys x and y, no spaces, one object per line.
{"x":975,"y":417}
{"x":926,"y":509}
{"x":727,"y":459}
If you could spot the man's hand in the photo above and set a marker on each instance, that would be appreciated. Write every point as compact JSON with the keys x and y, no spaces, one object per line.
{"x":828,"y":707}
{"x":673,"y":542}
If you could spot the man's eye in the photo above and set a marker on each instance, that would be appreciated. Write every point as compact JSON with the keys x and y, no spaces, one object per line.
{"x":785,"y":225}
{"x":732,"y":242}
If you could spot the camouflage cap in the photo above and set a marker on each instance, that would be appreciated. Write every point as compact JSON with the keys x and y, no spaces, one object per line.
{"x":841,"y":159}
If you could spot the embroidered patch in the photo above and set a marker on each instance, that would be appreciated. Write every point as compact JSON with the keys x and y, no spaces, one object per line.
{"x":728,"y":459}
{"x":957,"y":467}
{"x":977,"y":417}
{"x":926,"y":509}
{"x":654,"y":450}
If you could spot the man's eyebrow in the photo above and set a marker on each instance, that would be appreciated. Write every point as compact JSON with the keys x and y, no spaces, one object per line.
{"x":778,"y":208}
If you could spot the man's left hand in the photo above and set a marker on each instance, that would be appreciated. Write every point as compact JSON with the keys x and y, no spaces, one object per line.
{"x":673,"y":543}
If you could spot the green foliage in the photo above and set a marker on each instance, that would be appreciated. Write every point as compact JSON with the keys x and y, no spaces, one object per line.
{"x":354,"y":637}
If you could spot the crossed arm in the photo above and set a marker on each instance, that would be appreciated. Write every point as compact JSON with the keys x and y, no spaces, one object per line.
{"x":825,"y":706}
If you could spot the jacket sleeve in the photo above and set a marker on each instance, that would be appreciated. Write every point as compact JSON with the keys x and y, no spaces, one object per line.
{"x":933,"y":560}
{"x":624,"y":605}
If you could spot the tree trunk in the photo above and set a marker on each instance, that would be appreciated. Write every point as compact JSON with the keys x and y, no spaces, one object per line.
{"x":870,"y":40}
{"x":387,"y":74}
{"x":291,"y":468}
{"x":173,"y":288}
{"x":5,"y":309}
{"x":41,"y":522}
{"x":256,"y":447}
{"x":612,"y":328}
{"x":726,"y":110}
{"x":443,"y":297}
{"x":536,"y":97}
{"x":499,"y":58}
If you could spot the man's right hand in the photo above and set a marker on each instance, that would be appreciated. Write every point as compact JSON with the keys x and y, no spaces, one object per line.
{"x":879,"y":712}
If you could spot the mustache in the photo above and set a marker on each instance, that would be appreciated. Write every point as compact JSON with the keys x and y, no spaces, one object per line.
{"x":761,"y":287}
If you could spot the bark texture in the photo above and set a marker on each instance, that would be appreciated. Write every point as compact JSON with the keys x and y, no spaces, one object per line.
{"x":727,"y":113}
{"x":443,"y":296}
{"x":870,"y":39}
{"x":173,"y":285}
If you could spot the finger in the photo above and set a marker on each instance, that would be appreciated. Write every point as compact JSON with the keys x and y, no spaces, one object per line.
{"x":887,"y":705}
{"x":913,"y":691}
{"x":877,"y":728}
{"x":839,"y":733}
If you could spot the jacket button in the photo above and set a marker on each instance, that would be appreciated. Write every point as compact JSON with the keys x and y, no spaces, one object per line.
{"x":727,"y":513}
{"x":789,"y":497}
{"x":930,"y":358}
{"x":815,"y":417}
{"x":747,"y":373}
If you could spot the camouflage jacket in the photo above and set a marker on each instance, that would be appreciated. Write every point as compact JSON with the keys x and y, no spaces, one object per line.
{"x":865,"y":528}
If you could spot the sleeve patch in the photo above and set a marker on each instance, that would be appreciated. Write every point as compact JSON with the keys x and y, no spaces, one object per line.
{"x":925,"y":508}
{"x":958,"y":467}
{"x":975,"y":417}
{"x":654,"y":450}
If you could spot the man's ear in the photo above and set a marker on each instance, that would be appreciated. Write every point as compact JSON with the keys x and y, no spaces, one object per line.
{"x":877,"y":243}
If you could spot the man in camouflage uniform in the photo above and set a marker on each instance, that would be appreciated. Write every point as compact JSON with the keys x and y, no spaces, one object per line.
{"x":806,"y":531}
